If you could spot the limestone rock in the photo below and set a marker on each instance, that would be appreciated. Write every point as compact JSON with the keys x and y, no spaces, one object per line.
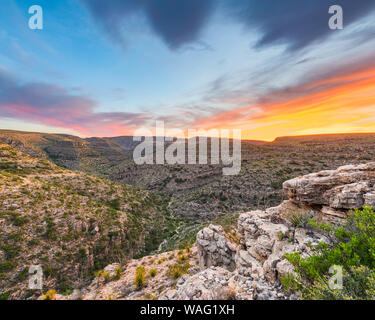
{"x":369,"y":199}
{"x":214,"y":249}
{"x":210,"y":284}
{"x":344,"y":188}
{"x":348,"y":196}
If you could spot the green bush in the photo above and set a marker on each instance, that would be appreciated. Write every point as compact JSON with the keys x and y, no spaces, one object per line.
{"x":115,"y":204}
{"x":352,"y":248}
{"x":5,"y":295}
{"x":7,"y":266}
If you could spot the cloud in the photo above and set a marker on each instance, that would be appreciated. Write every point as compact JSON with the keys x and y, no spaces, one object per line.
{"x":176,"y":22}
{"x":294,"y":22}
{"x":339,"y":102}
{"x":53,"y":105}
{"x":333,"y":102}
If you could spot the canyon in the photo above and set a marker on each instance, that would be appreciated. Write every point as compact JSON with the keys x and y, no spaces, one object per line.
{"x":91,"y":218}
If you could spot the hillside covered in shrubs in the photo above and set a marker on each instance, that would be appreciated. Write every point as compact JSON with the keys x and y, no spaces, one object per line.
{"x":70,"y":223}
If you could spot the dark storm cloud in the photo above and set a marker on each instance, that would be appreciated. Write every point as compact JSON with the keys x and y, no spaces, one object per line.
{"x":177,"y":22}
{"x":294,"y":22}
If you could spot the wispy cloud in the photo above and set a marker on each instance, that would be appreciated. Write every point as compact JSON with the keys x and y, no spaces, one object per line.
{"x":53,"y":105}
{"x":337,"y":103}
{"x":341,"y":102}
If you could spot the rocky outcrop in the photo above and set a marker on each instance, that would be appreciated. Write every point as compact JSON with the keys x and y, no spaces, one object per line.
{"x":259,"y":258}
{"x":216,"y":283}
{"x":214,"y":249}
{"x":348,"y":187}
{"x":265,"y":243}
{"x":248,"y":263}
{"x":210,"y":284}
{"x":266,"y":236}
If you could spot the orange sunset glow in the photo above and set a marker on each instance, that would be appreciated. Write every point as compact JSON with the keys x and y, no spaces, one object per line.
{"x":341,"y":104}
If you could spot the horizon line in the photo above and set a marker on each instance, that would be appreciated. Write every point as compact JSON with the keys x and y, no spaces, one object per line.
{"x":243,"y":139}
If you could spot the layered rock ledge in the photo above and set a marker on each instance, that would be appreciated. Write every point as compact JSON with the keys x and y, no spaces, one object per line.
{"x":348,"y":187}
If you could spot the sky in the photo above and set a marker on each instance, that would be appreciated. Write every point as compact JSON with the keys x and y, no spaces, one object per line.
{"x":106,"y":68}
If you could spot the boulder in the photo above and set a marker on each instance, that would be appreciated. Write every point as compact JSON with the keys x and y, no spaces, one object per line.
{"x":214,"y":249}
{"x":348,"y":196}
{"x":344,"y":188}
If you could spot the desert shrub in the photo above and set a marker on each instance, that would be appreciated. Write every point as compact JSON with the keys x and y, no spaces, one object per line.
{"x":82,"y":253}
{"x":177,"y":270}
{"x":15,"y":218}
{"x":114,"y":204}
{"x":277,"y":185}
{"x":280,"y":235}
{"x":352,"y":248}
{"x":103,"y":274}
{"x":149,"y":296}
{"x":118,"y":273}
{"x":140,"y":277}
{"x":7,"y":266}
{"x":67,"y":292}
{"x":182,"y":258}
{"x":21,"y":276}
{"x":153,"y":272}
{"x":51,"y":229}
{"x":20,"y":221}
{"x":5,"y":295}
{"x":49,"y":272}
{"x":50,"y":295}
{"x":296,"y":219}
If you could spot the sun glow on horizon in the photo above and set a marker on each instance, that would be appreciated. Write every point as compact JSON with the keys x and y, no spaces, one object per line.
{"x":343,"y":104}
